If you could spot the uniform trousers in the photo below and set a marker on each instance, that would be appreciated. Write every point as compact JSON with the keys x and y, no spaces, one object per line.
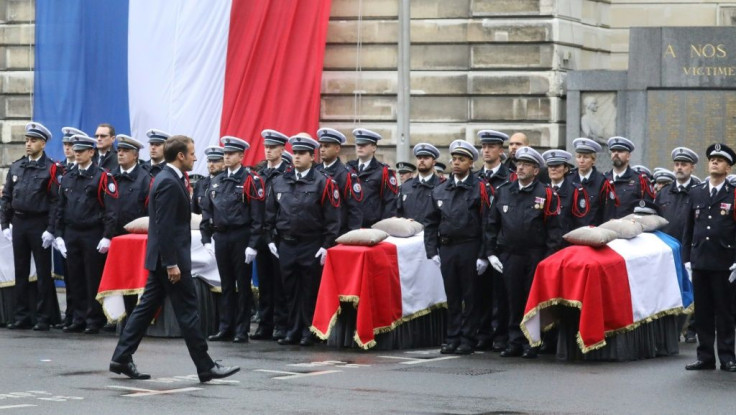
{"x":235,"y":275}
{"x":494,"y":314}
{"x":302,"y":274}
{"x":184,"y":301}
{"x":457,"y":263}
{"x":714,"y":320}
{"x":84,"y":267}
{"x":518,"y":274}
{"x":26,"y":241}
{"x":272,"y":308}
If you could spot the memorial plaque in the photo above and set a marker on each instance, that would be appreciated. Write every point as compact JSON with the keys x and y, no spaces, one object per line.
{"x":698,"y":57}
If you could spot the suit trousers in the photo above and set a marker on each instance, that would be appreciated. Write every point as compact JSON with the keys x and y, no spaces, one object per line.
{"x":714,"y":319}
{"x":301,"y":273}
{"x":272,"y":308}
{"x":494,"y":307}
{"x":184,"y":301}
{"x":84,"y":267}
{"x":457,"y":263}
{"x":235,"y":275}
{"x":26,"y":241}
{"x":518,"y":274}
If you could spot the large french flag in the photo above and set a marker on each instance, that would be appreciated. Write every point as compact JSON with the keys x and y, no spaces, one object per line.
{"x":200,"y":68}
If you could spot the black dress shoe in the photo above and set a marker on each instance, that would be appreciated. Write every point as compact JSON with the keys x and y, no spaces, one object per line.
{"x":220,"y":336}
{"x":217,"y":372}
{"x":91,"y":330}
{"x":18,"y":325}
{"x":110,"y":327}
{"x":701,"y":365}
{"x":74,"y":328}
{"x":278,"y":334}
{"x":59,"y":326}
{"x":41,"y":327}
{"x":262,"y":334}
{"x":128,"y":369}
{"x":288,"y":340}
{"x":240,"y":338}
{"x":306,"y":341}
{"x":729,"y":366}
{"x":547,"y":348}
{"x":512,"y":351}
{"x":530,"y":353}
{"x":499,"y":346}
{"x":464,"y":349}
{"x":449,"y":348}
{"x":484,"y":344}
{"x":690,"y":338}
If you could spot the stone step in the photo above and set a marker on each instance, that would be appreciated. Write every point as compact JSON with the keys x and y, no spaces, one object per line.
{"x":16,"y":82}
{"x":17,"y":11}
{"x":17,"y":34}
{"x":16,"y":57}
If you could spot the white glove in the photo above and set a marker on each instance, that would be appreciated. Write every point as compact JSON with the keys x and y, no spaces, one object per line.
{"x":46,"y":239}
{"x":436,"y":260}
{"x":103,"y":246}
{"x":8,"y":234}
{"x":481,"y":265}
{"x":273,"y":249}
{"x":496,"y":263}
{"x":60,"y":246}
{"x":322,"y":255}
{"x":732,"y":277}
{"x":210,"y":250}
{"x":250,"y":255}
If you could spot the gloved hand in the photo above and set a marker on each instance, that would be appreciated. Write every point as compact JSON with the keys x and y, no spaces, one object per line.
{"x":60,"y":246}
{"x":210,"y":250}
{"x":689,"y":269}
{"x":322,"y":255}
{"x":103,"y":246}
{"x":273,"y":249}
{"x":732,"y":277}
{"x":250,"y":255}
{"x":46,"y":239}
{"x":496,"y":263}
{"x":436,"y":260}
{"x":481,"y":265}
{"x":8,"y":234}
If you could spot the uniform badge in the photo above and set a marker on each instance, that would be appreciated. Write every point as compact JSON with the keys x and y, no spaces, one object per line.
{"x":539,"y":201}
{"x":260,"y":192}
{"x":631,"y":182}
{"x":725,"y":206}
{"x":403,"y":198}
{"x":611,"y":195}
{"x":336,"y":195}
{"x":723,"y":213}
{"x":214,"y":186}
{"x":697,"y":213}
{"x":15,"y":178}
{"x":505,"y":208}
{"x":582,"y":203}
{"x":278,"y":196}
{"x":356,"y":188}
{"x":111,"y":187}
{"x":439,"y":203}
{"x":212,"y":194}
{"x":392,"y":180}
{"x":642,"y":203}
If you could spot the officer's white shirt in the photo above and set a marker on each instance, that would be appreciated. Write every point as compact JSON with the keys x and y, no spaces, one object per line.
{"x":718,"y":188}
{"x":276,"y":166}
{"x":127,"y":171}
{"x":232,"y":172}
{"x":558,"y":184}
{"x":426,"y":178}
{"x":491,"y":172}
{"x":587,"y":176}
{"x":303,"y":174}
{"x":327,"y":166}
{"x":84,"y":168}
{"x":685,"y":185}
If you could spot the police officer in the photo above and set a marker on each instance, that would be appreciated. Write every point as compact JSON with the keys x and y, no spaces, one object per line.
{"x":493,"y":329}
{"x":674,"y":199}
{"x":405,"y":170}
{"x":235,"y":207}
{"x":287,"y":158}
{"x":643,"y":170}
{"x":156,"y":140}
{"x":303,"y":210}
{"x":378,"y":181}
{"x":415,"y":196}
{"x":589,"y":196}
{"x":29,"y":202}
{"x":272,"y":307}
{"x":662,"y":177}
{"x":66,"y":142}
{"x":215,"y":166}
{"x":133,"y":184}
{"x":709,"y":250}
{"x":439,"y":169}
{"x":523,"y":229}
{"x":106,"y":157}
{"x":558,"y":167}
{"x":453,"y":238}
{"x":624,"y":187}
{"x":331,"y":142}
{"x":85,"y":223}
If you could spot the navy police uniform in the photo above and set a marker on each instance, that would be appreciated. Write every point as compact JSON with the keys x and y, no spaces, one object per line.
{"x":199,"y":192}
{"x":626,"y":190}
{"x":415,"y":195}
{"x":674,"y":199}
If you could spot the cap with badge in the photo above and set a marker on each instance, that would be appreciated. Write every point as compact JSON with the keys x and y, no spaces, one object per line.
{"x":662,"y":175}
{"x":303,"y":142}
{"x":405,"y":167}
{"x":82,"y":142}
{"x":214,"y":153}
{"x":363,"y":136}
{"x":492,"y":137}
{"x":440,"y":167}
{"x":69,"y":132}
{"x":274,"y":138}
{"x":647,"y":207}
{"x":37,"y":130}
{"x":330,"y":135}
{"x":721,"y":150}
{"x":233,"y":144}
{"x":287,"y":157}
{"x":529,"y":154}
{"x":157,"y":136}
{"x":426,"y":149}
{"x":642,"y":169}
{"x":621,"y":144}
{"x":126,"y":141}
{"x":463,"y":148}
{"x":684,"y":154}
{"x":586,"y":145}
{"x":557,"y":157}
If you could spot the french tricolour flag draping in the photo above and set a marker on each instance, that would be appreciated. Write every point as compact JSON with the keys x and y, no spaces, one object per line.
{"x":616,"y":287}
{"x":200,"y":68}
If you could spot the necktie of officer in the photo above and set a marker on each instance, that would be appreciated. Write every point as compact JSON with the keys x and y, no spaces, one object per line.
{"x":682,"y":188}
{"x":361,"y":167}
{"x":585,"y":180}
{"x":298,"y":176}
{"x":32,"y":163}
{"x":556,"y":187}
{"x":713,"y":193}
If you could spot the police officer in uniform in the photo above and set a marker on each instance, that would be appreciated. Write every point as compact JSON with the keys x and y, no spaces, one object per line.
{"x":453,"y":238}
{"x":85,"y":223}
{"x":625,"y":187}
{"x":589,"y":196}
{"x":415,"y":196}
{"x":215,"y":166}
{"x":66,"y":141}
{"x":405,"y":170}
{"x":287,"y":158}
{"x":156,"y":140}
{"x":662,"y":177}
{"x":235,"y":207}
{"x":106,"y":157}
{"x":272,"y":307}
{"x":29,"y":203}
{"x":709,"y":250}
{"x":133,"y":184}
{"x":674,"y":199}
{"x":558,"y":167}
{"x":303,"y":210}
{"x":439,"y":169}
{"x":331,"y":141}
{"x":378,"y":181}
{"x":524,"y":229}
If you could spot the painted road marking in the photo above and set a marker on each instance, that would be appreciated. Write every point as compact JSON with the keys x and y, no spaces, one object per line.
{"x":25,"y":405}
{"x":294,"y":375}
{"x":138,"y":392}
{"x":187,"y":378}
{"x":415,"y":361}
{"x":335,"y":363}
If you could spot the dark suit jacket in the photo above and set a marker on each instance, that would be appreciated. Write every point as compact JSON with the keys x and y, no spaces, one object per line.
{"x":709,"y":240}
{"x":169,"y":234}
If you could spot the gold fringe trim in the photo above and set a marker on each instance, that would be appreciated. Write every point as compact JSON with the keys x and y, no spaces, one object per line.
{"x":32,"y":278}
{"x":111,"y":293}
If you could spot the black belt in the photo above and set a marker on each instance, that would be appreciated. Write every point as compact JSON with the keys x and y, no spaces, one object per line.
{"x":229,"y":228}
{"x":22,"y":214}
{"x":298,"y":238}
{"x":446,"y":240}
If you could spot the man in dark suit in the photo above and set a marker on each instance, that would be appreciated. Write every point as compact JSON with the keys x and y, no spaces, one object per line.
{"x":169,"y":260}
{"x":106,"y":156}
